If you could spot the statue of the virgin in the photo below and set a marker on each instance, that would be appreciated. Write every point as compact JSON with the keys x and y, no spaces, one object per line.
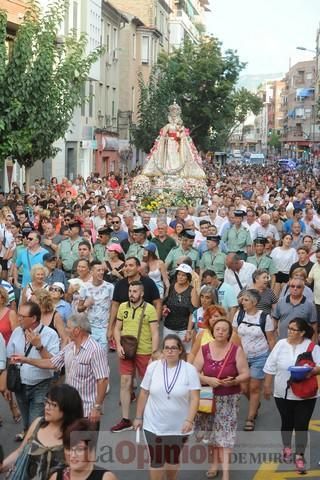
{"x":174,"y":153}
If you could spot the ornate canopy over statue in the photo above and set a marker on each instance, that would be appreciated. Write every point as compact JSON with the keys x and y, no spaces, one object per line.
{"x":173,"y":175}
{"x":174,"y":152}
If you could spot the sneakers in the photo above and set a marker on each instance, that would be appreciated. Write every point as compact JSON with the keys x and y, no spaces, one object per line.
{"x":300,"y":465}
{"x":287,"y":455}
{"x":122,"y":426}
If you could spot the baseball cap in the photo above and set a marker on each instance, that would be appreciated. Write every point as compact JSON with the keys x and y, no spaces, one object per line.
{"x":114,"y":247}
{"x":150,"y":247}
{"x":48,"y":257}
{"x":59,"y":285}
{"x":184,"y":268}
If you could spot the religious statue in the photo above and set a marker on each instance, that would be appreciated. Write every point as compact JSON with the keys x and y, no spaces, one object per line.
{"x":174,"y":153}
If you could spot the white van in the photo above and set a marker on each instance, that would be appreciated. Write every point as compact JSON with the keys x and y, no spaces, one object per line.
{"x":257,"y":159}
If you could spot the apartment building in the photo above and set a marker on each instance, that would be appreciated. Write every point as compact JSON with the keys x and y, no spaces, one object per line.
{"x":187,"y":20}
{"x":301,"y":133}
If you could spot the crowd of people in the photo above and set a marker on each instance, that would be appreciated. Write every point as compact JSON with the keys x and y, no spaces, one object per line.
{"x":221,"y":296}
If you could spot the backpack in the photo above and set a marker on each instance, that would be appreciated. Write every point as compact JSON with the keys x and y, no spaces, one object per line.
{"x":307,"y":387}
{"x":262,"y":321}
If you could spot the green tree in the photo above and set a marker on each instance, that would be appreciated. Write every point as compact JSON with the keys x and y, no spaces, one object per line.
{"x":203,"y":82}
{"x":274,"y":140}
{"x":40,"y":84}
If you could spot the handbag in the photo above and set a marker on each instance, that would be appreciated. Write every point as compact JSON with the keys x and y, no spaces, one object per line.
{"x":207,"y":402}
{"x":306,"y":387}
{"x":130,"y":343}
{"x":13,"y":373}
{"x":19,"y":470}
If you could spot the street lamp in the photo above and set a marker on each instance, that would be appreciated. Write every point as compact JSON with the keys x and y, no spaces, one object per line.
{"x":306,"y":49}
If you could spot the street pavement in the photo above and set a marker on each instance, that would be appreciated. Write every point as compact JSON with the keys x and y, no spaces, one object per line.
{"x":256,"y":456}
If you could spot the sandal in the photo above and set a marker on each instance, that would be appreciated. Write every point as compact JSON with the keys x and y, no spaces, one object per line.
{"x":212,"y":473}
{"x":19,"y":437}
{"x":249,"y":425}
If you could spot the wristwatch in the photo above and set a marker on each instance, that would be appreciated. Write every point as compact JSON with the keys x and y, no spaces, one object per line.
{"x":40,"y":348}
{"x":97,"y":406}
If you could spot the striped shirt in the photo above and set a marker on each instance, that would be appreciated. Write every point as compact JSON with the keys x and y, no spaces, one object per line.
{"x":83,"y":369}
{"x":31,"y":375}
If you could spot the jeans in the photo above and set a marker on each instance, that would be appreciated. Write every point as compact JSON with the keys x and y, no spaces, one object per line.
{"x":31,"y":401}
{"x":295,"y":415}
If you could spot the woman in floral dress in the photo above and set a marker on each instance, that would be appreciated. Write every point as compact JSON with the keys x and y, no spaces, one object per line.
{"x":223,"y":366}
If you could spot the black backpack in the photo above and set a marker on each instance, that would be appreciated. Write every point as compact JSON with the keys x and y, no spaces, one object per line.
{"x":262,"y":320}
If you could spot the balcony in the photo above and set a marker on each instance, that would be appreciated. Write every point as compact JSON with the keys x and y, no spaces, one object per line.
{"x":187,"y":24}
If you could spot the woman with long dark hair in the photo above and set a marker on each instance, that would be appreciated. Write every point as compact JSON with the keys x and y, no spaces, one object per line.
{"x":43,"y":441}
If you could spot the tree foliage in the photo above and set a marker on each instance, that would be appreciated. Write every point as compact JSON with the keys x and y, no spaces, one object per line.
{"x":203,"y":82}
{"x":40,"y":83}
{"x":274,"y":140}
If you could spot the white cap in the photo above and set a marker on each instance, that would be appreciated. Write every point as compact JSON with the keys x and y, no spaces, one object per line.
{"x":59,"y":285}
{"x":184,"y":268}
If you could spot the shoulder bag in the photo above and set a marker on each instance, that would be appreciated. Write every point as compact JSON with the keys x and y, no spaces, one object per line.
{"x":130,"y":343}
{"x":13,"y":373}
{"x":207,"y":402}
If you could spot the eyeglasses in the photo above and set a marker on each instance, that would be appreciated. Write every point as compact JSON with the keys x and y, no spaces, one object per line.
{"x":30,"y":238}
{"x":167,"y":348}
{"x":23,"y":316}
{"x":290,"y":329}
{"x":55,"y":289}
{"x":78,"y":450}
{"x":50,"y":404}
{"x":296,"y":286}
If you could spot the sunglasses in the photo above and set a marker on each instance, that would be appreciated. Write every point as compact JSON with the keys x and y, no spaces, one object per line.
{"x":55,"y":289}
{"x":30,"y":238}
{"x":115,"y":223}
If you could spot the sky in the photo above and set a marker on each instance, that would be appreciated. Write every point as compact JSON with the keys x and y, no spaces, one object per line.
{"x":265,"y":33}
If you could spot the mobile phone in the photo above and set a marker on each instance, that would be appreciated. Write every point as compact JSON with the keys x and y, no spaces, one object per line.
{"x":1,"y":455}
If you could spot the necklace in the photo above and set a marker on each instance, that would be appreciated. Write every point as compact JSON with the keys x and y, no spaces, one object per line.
{"x":169,"y":386}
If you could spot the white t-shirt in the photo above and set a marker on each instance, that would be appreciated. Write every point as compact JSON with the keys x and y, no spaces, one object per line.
{"x":163,"y":416}
{"x":98,"y":314}
{"x":253,"y":341}
{"x":283,"y":259}
{"x":283,"y":356}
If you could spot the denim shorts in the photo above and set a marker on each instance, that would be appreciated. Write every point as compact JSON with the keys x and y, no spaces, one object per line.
{"x":256,"y":365}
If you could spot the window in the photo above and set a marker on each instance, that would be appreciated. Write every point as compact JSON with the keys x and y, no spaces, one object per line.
{"x":309,"y":76}
{"x":90,"y":100}
{"x":108,"y":46}
{"x":75,"y":18}
{"x":134,"y":46}
{"x":115,"y":43}
{"x":133,"y":99}
{"x":145,"y":53}
{"x":83,"y":96}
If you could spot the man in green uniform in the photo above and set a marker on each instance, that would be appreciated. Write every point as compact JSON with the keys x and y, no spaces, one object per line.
{"x":213,"y":258}
{"x":100,"y":247}
{"x":140,"y":240}
{"x":261,"y":260}
{"x":68,"y":250}
{"x":185,"y":249}
{"x":163,"y":242}
{"x":237,"y":238}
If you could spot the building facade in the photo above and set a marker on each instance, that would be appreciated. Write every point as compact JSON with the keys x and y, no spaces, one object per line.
{"x":301,"y":134}
{"x":187,"y":21}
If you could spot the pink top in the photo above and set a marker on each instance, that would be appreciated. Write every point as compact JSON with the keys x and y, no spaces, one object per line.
{"x":5,"y":325}
{"x":212,"y":368}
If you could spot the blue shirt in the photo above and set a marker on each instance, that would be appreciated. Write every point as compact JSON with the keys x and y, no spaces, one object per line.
{"x":27,"y":260}
{"x":287,"y":226}
{"x":64,"y":309}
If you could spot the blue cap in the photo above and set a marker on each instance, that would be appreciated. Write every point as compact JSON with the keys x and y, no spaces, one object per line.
{"x":150,"y":247}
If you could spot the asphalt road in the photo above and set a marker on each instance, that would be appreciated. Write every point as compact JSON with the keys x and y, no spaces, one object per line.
{"x":256,"y":456}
